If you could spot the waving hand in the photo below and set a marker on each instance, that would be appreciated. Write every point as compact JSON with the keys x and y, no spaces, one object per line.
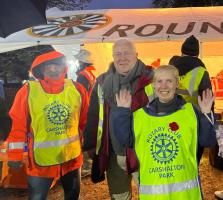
{"x":206,"y":101}
{"x":124,"y":98}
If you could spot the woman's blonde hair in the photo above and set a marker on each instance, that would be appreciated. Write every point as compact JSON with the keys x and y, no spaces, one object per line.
{"x":169,"y":69}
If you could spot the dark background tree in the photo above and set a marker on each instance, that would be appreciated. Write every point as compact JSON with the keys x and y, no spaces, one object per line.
{"x":14,"y":65}
{"x":186,"y":3}
{"x":68,"y":4}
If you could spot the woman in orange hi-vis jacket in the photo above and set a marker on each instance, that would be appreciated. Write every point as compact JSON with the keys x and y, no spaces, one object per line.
{"x":49,"y":115}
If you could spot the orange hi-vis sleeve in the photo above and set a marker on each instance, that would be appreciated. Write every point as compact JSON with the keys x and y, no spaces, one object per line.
{"x":18,"y":134}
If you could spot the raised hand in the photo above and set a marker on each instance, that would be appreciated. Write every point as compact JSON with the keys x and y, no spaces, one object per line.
{"x":124,"y":98}
{"x":206,"y":101}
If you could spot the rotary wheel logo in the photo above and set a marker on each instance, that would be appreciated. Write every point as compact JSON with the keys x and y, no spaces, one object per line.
{"x":69,"y":25}
{"x":164,"y":148}
{"x":58,"y":114}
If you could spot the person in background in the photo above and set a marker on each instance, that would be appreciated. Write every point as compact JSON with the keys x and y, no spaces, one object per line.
{"x":49,"y":115}
{"x":165,"y":135}
{"x":194,"y":78}
{"x":119,"y":163}
{"x":219,"y":133}
{"x":85,"y":74}
{"x":219,"y":194}
{"x":10,"y":83}
{"x":217,"y":85}
{"x":86,"y":77}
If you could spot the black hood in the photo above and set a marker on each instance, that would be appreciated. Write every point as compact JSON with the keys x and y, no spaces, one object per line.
{"x":186,"y":63}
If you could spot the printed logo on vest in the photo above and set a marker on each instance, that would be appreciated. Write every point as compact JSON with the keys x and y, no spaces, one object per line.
{"x":164,"y":148}
{"x":57,"y":113}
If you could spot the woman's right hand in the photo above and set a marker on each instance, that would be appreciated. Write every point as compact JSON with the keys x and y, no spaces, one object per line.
{"x":124,"y":98}
{"x":206,"y":101}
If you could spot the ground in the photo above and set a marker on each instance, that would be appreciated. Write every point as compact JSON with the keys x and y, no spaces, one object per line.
{"x":211,"y":179}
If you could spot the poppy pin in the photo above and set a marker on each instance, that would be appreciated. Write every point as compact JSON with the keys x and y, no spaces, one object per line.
{"x":173,"y":126}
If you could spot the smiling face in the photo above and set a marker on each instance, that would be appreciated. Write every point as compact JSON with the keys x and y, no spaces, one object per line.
{"x":165,"y":83}
{"x":125,"y":56}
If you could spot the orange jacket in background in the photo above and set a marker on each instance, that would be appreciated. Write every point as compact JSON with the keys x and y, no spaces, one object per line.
{"x":89,"y":76}
{"x":217,"y":85}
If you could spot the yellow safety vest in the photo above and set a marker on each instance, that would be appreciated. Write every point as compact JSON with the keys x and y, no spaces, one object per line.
{"x":54,"y":121}
{"x":101,"y":117}
{"x":189,"y":83}
{"x":150,"y":92}
{"x":166,"y":149}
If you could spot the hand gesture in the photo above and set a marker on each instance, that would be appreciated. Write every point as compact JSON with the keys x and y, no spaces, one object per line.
{"x":124,"y":98}
{"x":206,"y":101}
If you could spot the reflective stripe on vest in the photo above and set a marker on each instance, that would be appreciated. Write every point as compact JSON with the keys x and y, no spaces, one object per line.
{"x":16,"y":145}
{"x":150,"y":92}
{"x":56,"y":143}
{"x":55,"y":121}
{"x":189,"y":83}
{"x":165,"y":189}
{"x":101,"y":117}
{"x":166,"y":148}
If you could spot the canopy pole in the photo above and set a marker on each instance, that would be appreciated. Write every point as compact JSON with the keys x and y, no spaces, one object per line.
{"x":201,"y":50}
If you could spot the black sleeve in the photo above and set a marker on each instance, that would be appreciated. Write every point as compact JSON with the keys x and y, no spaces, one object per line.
{"x":90,"y":132}
{"x":83,"y":81}
{"x":205,"y":83}
{"x":121,"y":120}
{"x":206,"y":131}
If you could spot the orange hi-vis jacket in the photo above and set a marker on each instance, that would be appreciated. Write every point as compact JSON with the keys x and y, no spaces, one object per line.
{"x":88,"y":74}
{"x":21,"y":132}
{"x":217,"y":85}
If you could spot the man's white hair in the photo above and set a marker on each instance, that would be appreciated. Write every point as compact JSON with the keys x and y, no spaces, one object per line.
{"x":124,"y":42}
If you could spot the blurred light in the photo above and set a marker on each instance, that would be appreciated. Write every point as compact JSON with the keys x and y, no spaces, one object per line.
{"x":72,"y":68}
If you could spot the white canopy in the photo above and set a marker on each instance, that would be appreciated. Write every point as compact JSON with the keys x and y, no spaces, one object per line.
{"x":139,"y":25}
{"x":158,"y":33}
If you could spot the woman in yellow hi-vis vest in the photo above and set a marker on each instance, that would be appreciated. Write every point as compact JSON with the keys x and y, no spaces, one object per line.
{"x":165,"y":136}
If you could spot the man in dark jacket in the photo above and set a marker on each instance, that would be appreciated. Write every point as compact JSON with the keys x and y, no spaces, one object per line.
{"x":127,"y":71}
{"x":194,"y":77}
{"x":189,"y":60}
